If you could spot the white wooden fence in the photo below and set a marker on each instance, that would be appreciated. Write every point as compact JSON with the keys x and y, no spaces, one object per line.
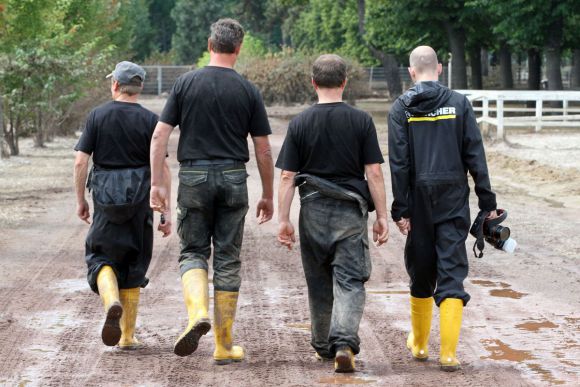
{"x":564,"y":117}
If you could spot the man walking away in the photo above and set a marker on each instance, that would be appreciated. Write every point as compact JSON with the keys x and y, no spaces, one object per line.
{"x":327,"y":152}
{"x":216,"y":109}
{"x":433,"y":142}
{"x":120,"y":240}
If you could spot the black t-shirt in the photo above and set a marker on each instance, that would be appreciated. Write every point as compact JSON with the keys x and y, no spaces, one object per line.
{"x":333,"y":141}
{"x":215,"y":108}
{"x":118,"y":135}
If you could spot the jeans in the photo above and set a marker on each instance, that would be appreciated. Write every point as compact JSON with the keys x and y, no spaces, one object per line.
{"x":336,"y":262}
{"x":212,"y":203}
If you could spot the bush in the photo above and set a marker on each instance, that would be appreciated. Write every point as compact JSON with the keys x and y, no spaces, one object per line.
{"x":284,"y":78}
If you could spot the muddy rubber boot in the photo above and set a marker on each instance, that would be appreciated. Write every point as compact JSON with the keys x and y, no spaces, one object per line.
{"x":344,"y":360}
{"x":109,"y":292}
{"x":224,"y":315}
{"x":418,"y":340}
{"x":130,"y":302}
{"x":451,"y":312}
{"x":196,"y":295}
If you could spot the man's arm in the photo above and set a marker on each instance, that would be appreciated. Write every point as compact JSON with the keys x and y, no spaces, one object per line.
{"x":399,"y":161}
{"x":286,"y":190}
{"x":265,"y":207}
{"x":374,"y":174}
{"x":81,"y":171}
{"x":474,"y":158}
{"x":165,"y":228}
{"x":159,"y":198}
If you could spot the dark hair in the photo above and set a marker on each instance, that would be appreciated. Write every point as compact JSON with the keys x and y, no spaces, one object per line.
{"x":329,"y":71}
{"x":226,"y":36}
{"x":135,"y":86}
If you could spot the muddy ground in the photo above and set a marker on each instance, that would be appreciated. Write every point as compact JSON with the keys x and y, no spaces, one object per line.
{"x":522,"y":326}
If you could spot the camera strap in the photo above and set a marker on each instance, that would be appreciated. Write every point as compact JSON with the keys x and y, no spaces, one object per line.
{"x":477,"y":232}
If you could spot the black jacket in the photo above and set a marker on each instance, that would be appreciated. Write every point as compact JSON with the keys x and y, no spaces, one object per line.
{"x":434,"y":139}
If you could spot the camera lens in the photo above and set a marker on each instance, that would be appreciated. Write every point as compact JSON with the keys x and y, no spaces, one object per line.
{"x":501,"y":233}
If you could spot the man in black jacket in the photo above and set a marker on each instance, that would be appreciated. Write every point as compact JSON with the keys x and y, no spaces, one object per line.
{"x":434,"y":141}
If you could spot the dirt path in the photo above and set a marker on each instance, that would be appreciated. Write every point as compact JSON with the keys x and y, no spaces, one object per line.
{"x":521,"y":327}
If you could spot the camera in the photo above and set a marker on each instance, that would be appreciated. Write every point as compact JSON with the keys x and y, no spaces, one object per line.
{"x":492,"y":232}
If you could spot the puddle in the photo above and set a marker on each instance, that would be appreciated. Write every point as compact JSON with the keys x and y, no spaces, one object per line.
{"x":501,"y":351}
{"x":490,"y":284}
{"x":534,"y":326}
{"x":301,"y":326}
{"x":507,"y":293}
{"x":388,"y":291}
{"x":545,"y":375}
{"x":344,"y":379}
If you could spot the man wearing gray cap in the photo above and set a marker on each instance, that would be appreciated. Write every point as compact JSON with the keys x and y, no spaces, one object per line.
{"x":120,"y":240}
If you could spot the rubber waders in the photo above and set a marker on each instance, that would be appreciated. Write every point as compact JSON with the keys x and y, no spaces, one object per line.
{"x":109,"y":292}
{"x":130,"y":302}
{"x":451,"y":311}
{"x":418,"y":340}
{"x":196,"y":296}
{"x":344,"y":360}
{"x":225,"y":304}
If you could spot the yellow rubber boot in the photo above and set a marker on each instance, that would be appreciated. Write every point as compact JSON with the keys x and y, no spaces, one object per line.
{"x":130,"y":302}
{"x":224,"y":314}
{"x":344,"y":360}
{"x":418,"y":340}
{"x":109,"y":292}
{"x":196,"y":295}
{"x":451,"y":312}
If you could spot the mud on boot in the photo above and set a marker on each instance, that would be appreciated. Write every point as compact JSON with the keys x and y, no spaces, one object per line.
{"x":225,"y":304}
{"x":187,"y":343}
{"x":109,"y":292}
{"x":111,"y":333}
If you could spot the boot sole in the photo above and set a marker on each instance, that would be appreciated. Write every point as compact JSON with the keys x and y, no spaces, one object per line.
{"x":450,"y":368}
{"x":227,"y":361}
{"x":111,"y":333}
{"x":187,"y":344}
{"x":343,"y":364}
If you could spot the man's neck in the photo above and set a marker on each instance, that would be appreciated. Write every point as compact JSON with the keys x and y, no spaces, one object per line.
{"x":222,"y":60}
{"x":126,"y":98}
{"x":329,"y":95}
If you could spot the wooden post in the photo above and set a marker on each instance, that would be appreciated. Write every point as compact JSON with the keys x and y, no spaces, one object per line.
{"x":565,"y":106}
{"x":500,"y":128}
{"x":538,"y":114}
{"x":159,"y":80}
{"x":371,"y":78}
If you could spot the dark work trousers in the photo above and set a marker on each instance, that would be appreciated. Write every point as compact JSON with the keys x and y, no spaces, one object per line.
{"x":336,"y":261}
{"x":435,"y":253}
{"x":212,"y":203}
{"x":121,"y":233}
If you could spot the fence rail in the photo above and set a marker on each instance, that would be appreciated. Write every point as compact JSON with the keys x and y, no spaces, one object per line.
{"x":538,"y":120}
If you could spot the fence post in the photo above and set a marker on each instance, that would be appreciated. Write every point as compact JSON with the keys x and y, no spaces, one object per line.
{"x":499,"y":106}
{"x":538,"y":115}
{"x":449,"y":66}
{"x":485,"y":108}
{"x":159,"y":80}
{"x":565,"y":106}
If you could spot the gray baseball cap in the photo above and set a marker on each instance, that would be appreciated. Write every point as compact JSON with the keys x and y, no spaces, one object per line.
{"x":125,"y":71}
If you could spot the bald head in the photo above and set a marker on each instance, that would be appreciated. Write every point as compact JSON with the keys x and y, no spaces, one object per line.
{"x":424,"y":60}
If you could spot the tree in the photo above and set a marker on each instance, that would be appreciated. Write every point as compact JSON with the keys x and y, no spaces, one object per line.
{"x":193,"y":19}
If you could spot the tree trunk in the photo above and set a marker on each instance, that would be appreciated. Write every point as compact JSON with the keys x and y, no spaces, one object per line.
{"x":576,"y":69}
{"x":554,"y":54}
{"x":505,"y":64}
{"x":11,"y":135}
{"x":475,"y":60}
{"x":484,"y":62}
{"x":389,"y":61}
{"x":39,"y":135}
{"x":456,"y":37}
{"x":534,"y":69}
{"x":3,"y":153}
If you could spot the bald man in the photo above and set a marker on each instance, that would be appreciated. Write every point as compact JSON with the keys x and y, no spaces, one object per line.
{"x":434,"y":141}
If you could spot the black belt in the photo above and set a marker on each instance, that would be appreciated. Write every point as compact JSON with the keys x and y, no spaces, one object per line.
{"x":202,"y":163}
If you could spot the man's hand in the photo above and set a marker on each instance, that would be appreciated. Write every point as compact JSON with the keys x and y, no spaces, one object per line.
{"x":158,"y":199}
{"x":83,"y":211}
{"x":380,"y":231}
{"x":264,"y":210}
{"x":286,"y":234}
{"x":492,"y":215}
{"x":404,"y":225}
{"x":165,"y":227}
